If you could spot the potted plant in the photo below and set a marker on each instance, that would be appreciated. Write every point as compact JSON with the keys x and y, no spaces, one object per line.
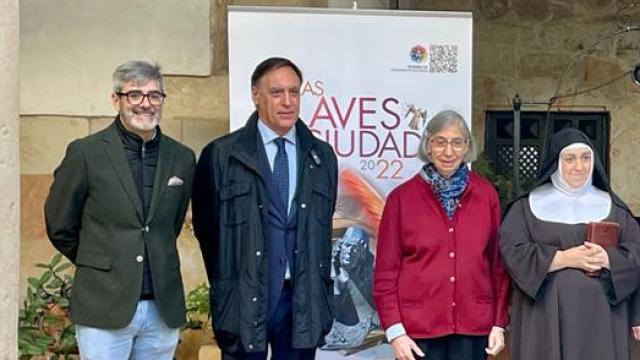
{"x":197,"y":306}
{"x":43,"y":326}
{"x":197,"y":331}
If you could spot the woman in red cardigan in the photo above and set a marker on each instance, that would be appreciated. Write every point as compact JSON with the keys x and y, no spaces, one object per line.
{"x":439,"y":286}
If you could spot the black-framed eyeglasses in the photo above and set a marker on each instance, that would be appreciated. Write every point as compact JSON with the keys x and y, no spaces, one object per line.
{"x":136,"y":97}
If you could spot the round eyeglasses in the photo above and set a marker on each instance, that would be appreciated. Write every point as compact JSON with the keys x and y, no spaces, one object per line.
{"x":440,"y":143}
{"x":136,"y":97}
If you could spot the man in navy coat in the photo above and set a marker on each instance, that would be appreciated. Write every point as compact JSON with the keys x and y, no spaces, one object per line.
{"x":263,"y":201}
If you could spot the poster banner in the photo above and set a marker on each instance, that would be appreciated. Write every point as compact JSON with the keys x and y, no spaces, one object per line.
{"x":372,"y":80}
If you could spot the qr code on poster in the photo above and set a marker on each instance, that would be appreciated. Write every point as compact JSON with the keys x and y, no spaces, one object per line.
{"x":443,"y":58}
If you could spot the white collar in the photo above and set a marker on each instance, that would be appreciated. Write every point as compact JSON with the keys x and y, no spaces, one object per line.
{"x":547,"y":203}
{"x":269,"y":135}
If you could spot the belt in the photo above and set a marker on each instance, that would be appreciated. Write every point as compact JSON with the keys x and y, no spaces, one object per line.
{"x":147,"y":297}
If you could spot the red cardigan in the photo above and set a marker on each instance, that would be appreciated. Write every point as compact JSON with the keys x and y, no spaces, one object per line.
{"x":438,"y":276}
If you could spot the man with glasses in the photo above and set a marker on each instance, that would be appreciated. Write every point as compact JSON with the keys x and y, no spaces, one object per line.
{"x":115,"y":209}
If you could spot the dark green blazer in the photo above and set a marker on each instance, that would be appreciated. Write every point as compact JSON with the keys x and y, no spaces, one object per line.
{"x":94,"y":217}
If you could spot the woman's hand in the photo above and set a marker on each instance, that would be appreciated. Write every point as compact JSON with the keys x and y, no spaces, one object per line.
{"x":404,"y":347}
{"x":495,"y":342}
{"x":601,"y":256}
{"x":635,"y":331}
{"x":583,"y":257}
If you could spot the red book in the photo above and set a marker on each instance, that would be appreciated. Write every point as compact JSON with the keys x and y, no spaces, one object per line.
{"x":603,"y":233}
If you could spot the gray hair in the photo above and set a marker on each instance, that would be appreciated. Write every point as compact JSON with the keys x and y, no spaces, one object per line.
{"x":138,"y":72}
{"x":440,"y":121}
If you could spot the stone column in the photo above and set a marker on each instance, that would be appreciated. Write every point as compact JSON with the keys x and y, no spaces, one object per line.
{"x":9,"y":180}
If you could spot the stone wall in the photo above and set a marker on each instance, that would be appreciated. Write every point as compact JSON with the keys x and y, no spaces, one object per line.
{"x":522,"y":47}
{"x":9,"y":179}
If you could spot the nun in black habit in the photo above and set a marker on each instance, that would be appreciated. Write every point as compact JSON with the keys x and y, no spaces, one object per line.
{"x":572,"y":299}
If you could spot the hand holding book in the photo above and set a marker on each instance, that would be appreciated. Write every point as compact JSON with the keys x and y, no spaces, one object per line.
{"x":604,"y":234}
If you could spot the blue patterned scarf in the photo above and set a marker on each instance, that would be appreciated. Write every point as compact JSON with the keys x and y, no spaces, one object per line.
{"x":448,"y":190}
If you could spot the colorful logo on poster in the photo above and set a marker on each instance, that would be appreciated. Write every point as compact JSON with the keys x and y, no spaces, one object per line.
{"x":418,"y":54}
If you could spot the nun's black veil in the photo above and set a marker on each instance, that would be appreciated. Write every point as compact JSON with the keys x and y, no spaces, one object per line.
{"x":559,"y":141}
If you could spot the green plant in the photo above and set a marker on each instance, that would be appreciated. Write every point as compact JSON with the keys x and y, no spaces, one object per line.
{"x":44,"y":327}
{"x":197,"y":331}
{"x":503,"y":185}
{"x":197,"y":306}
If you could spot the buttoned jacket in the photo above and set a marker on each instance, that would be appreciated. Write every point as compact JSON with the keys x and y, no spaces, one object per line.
{"x":439,"y":276}
{"x":94,"y":217}
{"x":229,"y":212}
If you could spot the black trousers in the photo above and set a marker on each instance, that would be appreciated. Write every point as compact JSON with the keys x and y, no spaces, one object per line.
{"x":279,"y":329}
{"x":454,"y":347}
